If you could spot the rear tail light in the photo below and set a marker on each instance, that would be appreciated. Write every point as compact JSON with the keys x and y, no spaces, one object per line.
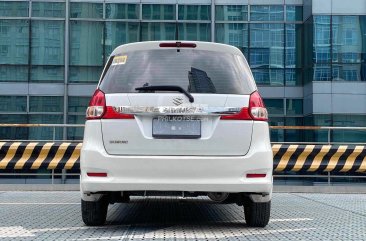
{"x":98,"y":110}
{"x":255,"y":111}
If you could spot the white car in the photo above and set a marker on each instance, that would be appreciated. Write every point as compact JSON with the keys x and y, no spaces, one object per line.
{"x":176,"y":118}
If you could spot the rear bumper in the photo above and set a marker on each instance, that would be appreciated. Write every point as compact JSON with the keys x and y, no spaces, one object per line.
{"x":176,"y":173}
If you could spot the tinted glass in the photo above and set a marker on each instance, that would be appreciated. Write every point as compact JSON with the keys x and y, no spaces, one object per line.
{"x":13,"y":103}
{"x":235,"y":34}
{"x":46,"y":104}
{"x":14,"y":9}
{"x":274,"y":106}
{"x":77,"y":104}
{"x":14,"y":39}
{"x":158,"y":11}
{"x":194,"y":31}
{"x":86,"y":43}
{"x":48,"y":9}
{"x":197,"y":71}
{"x":231,"y":13}
{"x":86,"y":10}
{"x":267,"y":45}
{"x":293,"y":13}
{"x":194,"y":12}
{"x":266,"y":13}
{"x":321,"y":39}
{"x":117,"y":33}
{"x":158,"y":31}
{"x":294,"y":106}
{"x":122,"y":11}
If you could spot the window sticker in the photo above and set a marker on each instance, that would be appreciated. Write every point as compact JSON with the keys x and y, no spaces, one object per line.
{"x":119,"y":60}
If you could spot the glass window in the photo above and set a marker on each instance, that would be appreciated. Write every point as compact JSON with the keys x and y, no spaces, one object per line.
{"x":48,"y":42}
{"x":349,"y":135}
{"x":117,"y":33}
{"x":293,"y":77}
{"x":294,"y":135}
{"x":293,"y":13}
{"x":13,"y":103}
{"x":266,"y":13}
{"x":274,"y":106}
{"x":45,"y":133}
{"x":80,"y":74}
{"x":277,"y":135}
{"x":47,"y":73}
{"x":194,"y":31}
{"x":322,"y":72}
{"x":194,"y":12}
{"x":348,"y":72}
{"x":267,"y":45}
{"x":77,"y":104}
{"x":47,"y":49}
{"x":86,"y":43}
{"x":293,"y":55}
{"x":235,"y":34}
{"x":75,"y":133}
{"x":158,"y":31}
{"x":231,"y":13}
{"x":294,"y":106}
{"x":86,"y":10}
{"x":14,"y":9}
{"x":122,"y":11}
{"x":321,"y":39}
{"x":158,"y":11}
{"x":318,"y":120}
{"x":13,"y":73}
{"x":197,"y":71}
{"x":46,"y":104}
{"x":273,"y":77}
{"x":48,"y":9}
{"x":14,"y":41}
{"x":347,"y":33}
{"x":14,"y":133}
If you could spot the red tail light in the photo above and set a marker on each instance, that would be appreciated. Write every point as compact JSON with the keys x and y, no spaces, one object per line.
{"x":98,"y":110}
{"x":255,"y":111}
{"x":256,"y":175}
{"x":177,"y":45}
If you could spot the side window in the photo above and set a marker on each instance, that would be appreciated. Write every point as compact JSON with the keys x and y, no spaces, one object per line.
{"x":106,"y":68}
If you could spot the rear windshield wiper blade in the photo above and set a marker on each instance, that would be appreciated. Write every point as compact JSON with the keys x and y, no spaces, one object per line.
{"x":167,"y":88}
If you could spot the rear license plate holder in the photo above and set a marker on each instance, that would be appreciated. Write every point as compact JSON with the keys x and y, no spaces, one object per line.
{"x":176,"y":127}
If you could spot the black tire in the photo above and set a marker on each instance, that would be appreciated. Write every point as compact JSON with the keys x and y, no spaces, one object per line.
{"x":257,"y":214}
{"x":94,"y":213}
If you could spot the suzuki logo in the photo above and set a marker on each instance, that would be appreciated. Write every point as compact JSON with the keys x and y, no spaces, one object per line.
{"x":178,"y":101}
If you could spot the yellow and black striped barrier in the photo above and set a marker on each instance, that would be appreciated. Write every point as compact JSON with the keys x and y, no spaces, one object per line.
{"x":319,"y":158}
{"x":39,"y":155}
{"x":294,"y":158}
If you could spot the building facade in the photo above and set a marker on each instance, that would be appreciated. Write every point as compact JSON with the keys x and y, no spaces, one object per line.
{"x":307,"y":56}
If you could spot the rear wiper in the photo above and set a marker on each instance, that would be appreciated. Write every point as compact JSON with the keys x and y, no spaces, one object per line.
{"x":167,"y":88}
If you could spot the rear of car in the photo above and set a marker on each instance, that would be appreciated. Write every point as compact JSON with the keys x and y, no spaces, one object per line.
{"x":182,"y":117}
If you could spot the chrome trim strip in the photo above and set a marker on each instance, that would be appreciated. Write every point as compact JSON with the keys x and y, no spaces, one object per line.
{"x":176,"y":110}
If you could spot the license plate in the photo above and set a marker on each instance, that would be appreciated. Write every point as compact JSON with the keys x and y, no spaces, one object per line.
{"x":175,"y":127}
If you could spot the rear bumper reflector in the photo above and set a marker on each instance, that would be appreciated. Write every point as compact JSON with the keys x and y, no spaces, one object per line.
{"x":256,"y":175}
{"x":97,"y":174}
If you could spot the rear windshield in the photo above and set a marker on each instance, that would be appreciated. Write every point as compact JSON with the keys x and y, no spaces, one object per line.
{"x":197,"y":71}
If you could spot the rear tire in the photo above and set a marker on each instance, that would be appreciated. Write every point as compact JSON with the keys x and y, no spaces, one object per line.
{"x":94,"y":213}
{"x":257,"y":214}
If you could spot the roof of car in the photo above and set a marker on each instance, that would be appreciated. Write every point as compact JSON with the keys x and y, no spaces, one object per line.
{"x":148,"y":45}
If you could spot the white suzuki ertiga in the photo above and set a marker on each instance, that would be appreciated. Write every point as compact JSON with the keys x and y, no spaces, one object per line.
{"x":176,"y":118}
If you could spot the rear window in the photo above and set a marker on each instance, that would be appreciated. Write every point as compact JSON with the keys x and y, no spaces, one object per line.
{"x":197,"y":71}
